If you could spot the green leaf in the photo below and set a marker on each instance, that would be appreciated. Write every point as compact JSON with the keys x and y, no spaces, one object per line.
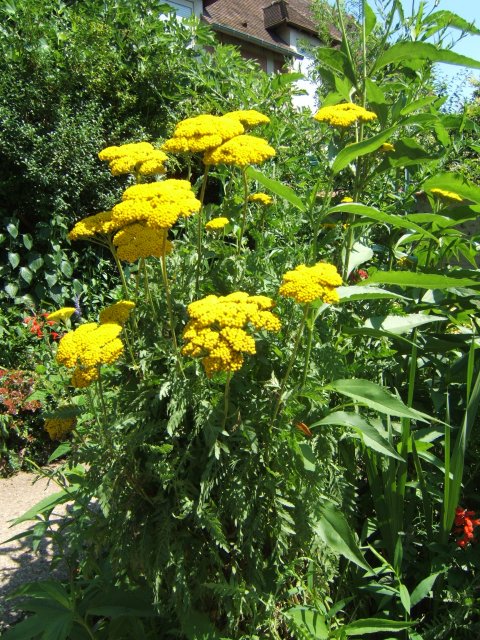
{"x":423,"y":588}
{"x":419,"y":280}
{"x":25,"y":630}
{"x":276,"y":187}
{"x":309,"y":460}
{"x":365,"y":293}
{"x":371,"y":436}
{"x":66,"y":268}
{"x":14,"y":259}
{"x":405,"y":598}
{"x":446,"y":19}
{"x":374,"y":625}
{"x":335,"y":532}
{"x":336,"y":61}
{"x":401,"y":324}
{"x":359,"y":254}
{"x":407,"y":153}
{"x":379,"y":216}
{"x":11,"y":289}
{"x":348,"y":154}
{"x":418,"y":104}
{"x":375,"y":397}
{"x":47,"y":504}
{"x":309,"y":621}
{"x":27,"y":241}
{"x":51,"y":279}
{"x":35,"y":261}
{"x":61,"y":450}
{"x":26,"y":274}
{"x":453,"y":182}
{"x":12,"y":230}
{"x":370,"y":19}
{"x":402,"y":51}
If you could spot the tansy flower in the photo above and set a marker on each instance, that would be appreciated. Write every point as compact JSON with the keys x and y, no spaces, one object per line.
{"x":137,"y":157}
{"x":260,"y":198}
{"x":157,"y":205}
{"x":87,"y":348}
{"x":138,"y":241}
{"x":58,"y":428}
{"x":249,"y":118}
{"x":218,"y":329}
{"x":215,"y":224}
{"x":117,"y":313}
{"x":306,"y":284}
{"x":240,"y":151}
{"x":61,"y":314}
{"x":446,"y":195}
{"x":98,"y":224}
{"x":201,"y":133}
{"x":344,"y":115}
{"x":386,"y":147}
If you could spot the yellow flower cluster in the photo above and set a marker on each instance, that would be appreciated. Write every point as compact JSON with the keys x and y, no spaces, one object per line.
{"x":217,"y":329}
{"x":215,"y":224}
{"x":99,"y":224}
{"x":198,"y":134}
{"x":447,"y":195}
{"x":346,"y":199}
{"x":344,"y":115}
{"x":158,"y":205}
{"x":137,"y":157}
{"x":88,"y":347}
{"x":138,"y":241}
{"x":58,"y":428}
{"x":61,"y":314}
{"x":240,"y":151}
{"x":261,"y":198}
{"x":306,"y":284}
{"x":248,"y":117}
{"x":117,"y":313}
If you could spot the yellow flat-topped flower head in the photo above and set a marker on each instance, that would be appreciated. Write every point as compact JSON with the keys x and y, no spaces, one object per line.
{"x":443,"y":194}
{"x":219,"y":326}
{"x":216,"y":224}
{"x":201,"y":133}
{"x":61,"y":314}
{"x":137,"y":158}
{"x":249,"y":117}
{"x":240,"y":151}
{"x":117,"y":312}
{"x":260,"y":198}
{"x":139,"y":241}
{"x":346,"y":199}
{"x":100,"y":224}
{"x":344,"y":114}
{"x":386,"y":147}
{"x":306,"y":284}
{"x":58,"y":428}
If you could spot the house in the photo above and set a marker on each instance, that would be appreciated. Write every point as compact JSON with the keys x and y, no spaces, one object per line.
{"x":274,"y":33}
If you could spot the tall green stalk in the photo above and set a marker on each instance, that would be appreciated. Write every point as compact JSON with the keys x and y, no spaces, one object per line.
{"x":200,"y":229}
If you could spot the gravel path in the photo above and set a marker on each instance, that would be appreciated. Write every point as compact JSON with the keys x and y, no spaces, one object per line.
{"x":18,"y":563}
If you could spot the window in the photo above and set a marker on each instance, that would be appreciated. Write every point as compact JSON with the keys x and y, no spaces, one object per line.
{"x":183,"y":8}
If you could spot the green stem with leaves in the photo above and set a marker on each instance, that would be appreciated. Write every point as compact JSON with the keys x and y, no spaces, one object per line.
{"x":168,"y":298}
{"x":200,"y":228}
{"x":244,"y":211}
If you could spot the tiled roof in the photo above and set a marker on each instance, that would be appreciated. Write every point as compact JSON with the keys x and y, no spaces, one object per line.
{"x":247,"y":17}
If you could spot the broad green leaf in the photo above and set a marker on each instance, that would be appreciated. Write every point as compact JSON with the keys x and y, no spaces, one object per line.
{"x":348,"y":154}
{"x":419,"y":280}
{"x":422,"y":589}
{"x":26,"y":274}
{"x":310,"y":621}
{"x":402,"y":51}
{"x":375,"y":397}
{"x":35,"y":261}
{"x":25,"y":630}
{"x":276,"y":187}
{"x":400,"y":324}
{"x":407,"y":153}
{"x":379,"y":216}
{"x":335,"y":60}
{"x":370,"y":19}
{"x":61,"y":450}
{"x":447,"y":19}
{"x":11,"y":289}
{"x":336,"y":533}
{"x":405,"y":598}
{"x":453,"y":182}
{"x":348,"y":294}
{"x":14,"y":259}
{"x":370,"y":435}
{"x":66,"y":268}
{"x":359,"y":254}
{"x":374,"y":625}
{"x":47,"y":504}
{"x":51,"y":279}
{"x":417,"y":104}
{"x":12,"y":230}
{"x":283,"y":79}
{"x":309,"y":460}
{"x":27,"y":241}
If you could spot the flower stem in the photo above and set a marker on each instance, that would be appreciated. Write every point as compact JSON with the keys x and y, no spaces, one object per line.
{"x":309,"y":321}
{"x":244,"y":213}
{"x":200,"y":228}
{"x":290,"y":365}
{"x":168,"y":298}
{"x":226,"y":399}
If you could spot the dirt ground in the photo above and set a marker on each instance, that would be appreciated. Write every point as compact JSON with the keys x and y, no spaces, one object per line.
{"x":18,"y":562}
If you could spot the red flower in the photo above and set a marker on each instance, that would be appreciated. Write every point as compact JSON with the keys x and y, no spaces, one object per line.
{"x":465,"y":524}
